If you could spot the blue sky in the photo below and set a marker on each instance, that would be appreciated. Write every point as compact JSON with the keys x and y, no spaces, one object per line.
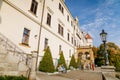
{"x":95,"y":15}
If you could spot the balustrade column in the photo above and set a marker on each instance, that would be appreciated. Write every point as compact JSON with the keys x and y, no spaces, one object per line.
{"x":33,"y":67}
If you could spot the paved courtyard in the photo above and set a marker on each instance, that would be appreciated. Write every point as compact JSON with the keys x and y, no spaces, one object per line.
{"x":72,"y":75}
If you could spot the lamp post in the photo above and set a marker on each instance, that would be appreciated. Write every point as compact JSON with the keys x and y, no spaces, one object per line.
{"x":103,"y":36}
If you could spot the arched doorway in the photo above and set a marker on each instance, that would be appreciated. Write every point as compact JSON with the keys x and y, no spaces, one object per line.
{"x":80,"y":58}
{"x":86,"y":55}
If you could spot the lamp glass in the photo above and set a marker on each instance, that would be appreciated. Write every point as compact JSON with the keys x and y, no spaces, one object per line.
{"x":103,"y":36}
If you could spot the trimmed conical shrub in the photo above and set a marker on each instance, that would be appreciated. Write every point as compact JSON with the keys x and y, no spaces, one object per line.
{"x":78,"y":62}
{"x":46,"y":64}
{"x":61,"y":60}
{"x":73,"y":62}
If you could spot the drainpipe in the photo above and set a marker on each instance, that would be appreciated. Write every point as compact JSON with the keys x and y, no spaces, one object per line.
{"x":41,"y":21}
{"x":74,"y":39}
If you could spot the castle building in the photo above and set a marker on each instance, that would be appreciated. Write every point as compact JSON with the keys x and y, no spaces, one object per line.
{"x":32,"y":25}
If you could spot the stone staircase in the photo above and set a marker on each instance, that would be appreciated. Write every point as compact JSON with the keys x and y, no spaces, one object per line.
{"x":13,"y":60}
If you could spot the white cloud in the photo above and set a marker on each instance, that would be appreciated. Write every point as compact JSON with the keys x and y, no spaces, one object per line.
{"x":105,"y":17}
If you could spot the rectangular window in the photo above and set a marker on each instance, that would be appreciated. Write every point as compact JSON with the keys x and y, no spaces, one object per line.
{"x":45,"y":43}
{"x":69,"y":53}
{"x":71,"y":23}
{"x":48,"y":19}
{"x":34,"y":5}
{"x":75,"y":42}
{"x":68,"y":18}
{"x":68,"y":36}
{"x":74,"y":27}
{"x":72,"y":40}
{"x":61,"y":8}
{"x":60,"y":30}
{"x":26,"y":34}
{"x":60,"y":48}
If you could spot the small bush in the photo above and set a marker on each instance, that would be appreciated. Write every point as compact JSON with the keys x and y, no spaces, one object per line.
{"x":13,"y":78}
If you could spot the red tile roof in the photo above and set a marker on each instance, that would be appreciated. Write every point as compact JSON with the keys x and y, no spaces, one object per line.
{"x":88,"y":36}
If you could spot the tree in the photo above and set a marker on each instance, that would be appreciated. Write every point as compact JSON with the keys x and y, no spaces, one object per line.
{"x":73,"y":62}
{"x":98,"y":53}
{"x":46,"y":64}
{"x":61,"y":60}
{"x":112,"y":50}
{"x":117,"y":62}
{"x":95,"y":50}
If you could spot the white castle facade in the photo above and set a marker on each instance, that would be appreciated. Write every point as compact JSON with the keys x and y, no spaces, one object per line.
{"x":35,"y":24}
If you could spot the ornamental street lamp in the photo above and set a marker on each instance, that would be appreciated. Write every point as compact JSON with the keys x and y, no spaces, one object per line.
{"x":103,"y":36}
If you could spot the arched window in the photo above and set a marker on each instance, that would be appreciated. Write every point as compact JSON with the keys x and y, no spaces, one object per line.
{"x":87,"y":55}
{"x":80,"y":54}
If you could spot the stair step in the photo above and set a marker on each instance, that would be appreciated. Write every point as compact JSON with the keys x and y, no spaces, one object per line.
{"x":8,"y":67}
{"x":2,"y":57}
{"x":12,"y":73}
{"x":12,"y":67}
{"x":1,"y":72}
{"x":3,"y":51}
{"x":3,"y":66}
{"x":11,"y":58}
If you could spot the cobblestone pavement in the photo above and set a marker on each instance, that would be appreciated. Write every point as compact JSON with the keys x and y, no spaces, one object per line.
{"x":72,"y":75}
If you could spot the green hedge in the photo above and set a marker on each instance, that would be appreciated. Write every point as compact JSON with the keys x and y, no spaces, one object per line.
{"x":13,"y":78}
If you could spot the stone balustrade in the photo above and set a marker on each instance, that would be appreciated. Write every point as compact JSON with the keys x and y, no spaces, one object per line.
{"x":108,"y":73}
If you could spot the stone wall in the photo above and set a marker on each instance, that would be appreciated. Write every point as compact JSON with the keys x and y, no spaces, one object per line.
{"x":13,"y":61}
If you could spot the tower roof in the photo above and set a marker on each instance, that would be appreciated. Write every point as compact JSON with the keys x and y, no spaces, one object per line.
{"x":88,"y":36}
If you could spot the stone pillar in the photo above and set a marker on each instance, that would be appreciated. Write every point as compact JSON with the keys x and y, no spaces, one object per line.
{"x":33,"y":67}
